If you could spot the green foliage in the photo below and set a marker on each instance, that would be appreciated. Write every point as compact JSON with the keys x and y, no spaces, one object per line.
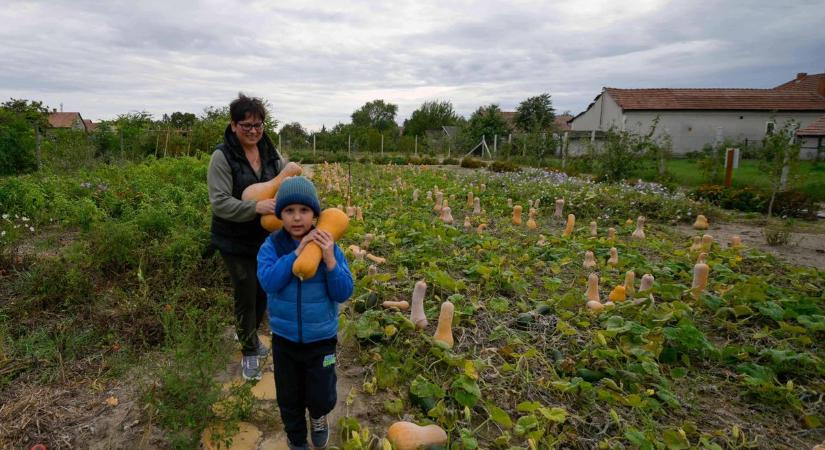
{"x":535,"y":114}
{"x":431,"y":115}
{"x":17,"y":144}
{"x":503,"y":166}
{"x":486,"y":122}
{"x":376,"y":114}
{"x":471,"y":163}
{"x":293,"y":135}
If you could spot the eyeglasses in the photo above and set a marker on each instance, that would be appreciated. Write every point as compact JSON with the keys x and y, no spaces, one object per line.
{"x":249,"y":126}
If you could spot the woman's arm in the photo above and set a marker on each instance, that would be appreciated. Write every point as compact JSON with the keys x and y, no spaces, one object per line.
{"x":219,"y":182}
{"x":274,"y":273}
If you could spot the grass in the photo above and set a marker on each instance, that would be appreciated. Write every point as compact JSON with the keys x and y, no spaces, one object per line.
{"x":811,"y":176}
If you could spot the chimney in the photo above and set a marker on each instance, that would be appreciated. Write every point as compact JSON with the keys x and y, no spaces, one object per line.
{"x":801,"y":75}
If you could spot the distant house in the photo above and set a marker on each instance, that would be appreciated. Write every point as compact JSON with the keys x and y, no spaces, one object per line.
{"x":562,"y":122}
{"x":70,"y":120}
{"x":696,"y":117}
{"x":812,"y":139}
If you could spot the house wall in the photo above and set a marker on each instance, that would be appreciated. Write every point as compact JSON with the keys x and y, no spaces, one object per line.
{"x":812,"y":147}
{"x":691,"y":130}
{"x":604,"y":113}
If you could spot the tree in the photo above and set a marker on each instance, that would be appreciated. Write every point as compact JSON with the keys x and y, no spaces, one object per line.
{"x":780,"y":154}
{"x":535,"y":114}
{"x":376,"y":114}
{"x":17,"y":144}
{"x":32,"y":111}
{"x":180,"y":120}
{"x":430,"y":115}
{"x":487,"y":121}
{"x":295,"y":135}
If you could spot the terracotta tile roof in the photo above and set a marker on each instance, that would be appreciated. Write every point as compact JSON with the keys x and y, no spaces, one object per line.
{"x":63,"y":119}
{"x":509,"y":117}
{"x":561,"y":122}
{"x":716,"y":99}
{"x":90,"y":126}
{"x":805,"y":83}
{"x":815,"y":128}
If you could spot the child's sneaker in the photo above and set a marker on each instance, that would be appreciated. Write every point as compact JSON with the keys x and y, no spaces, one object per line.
{"x":319,"y":432}
{"x":251,"y":368}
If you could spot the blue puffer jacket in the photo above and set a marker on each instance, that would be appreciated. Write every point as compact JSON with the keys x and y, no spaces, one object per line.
{"x":301,"y":311}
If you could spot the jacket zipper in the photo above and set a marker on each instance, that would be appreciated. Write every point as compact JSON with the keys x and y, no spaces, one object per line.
{"x":300,"y":326}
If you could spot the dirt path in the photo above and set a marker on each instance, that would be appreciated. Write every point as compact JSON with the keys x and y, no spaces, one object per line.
{"x":806,"y":246}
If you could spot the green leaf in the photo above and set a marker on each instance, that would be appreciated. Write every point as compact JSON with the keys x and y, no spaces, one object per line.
{"x":465,"y":390}
{"x":558,"y":415}
{"x":499,"y":416}
{"x":638,"y":439}
{"x":467,"y":440}
{"x":525,"y":424}
{"x":674,"y":440}
{"x":528,"y":406}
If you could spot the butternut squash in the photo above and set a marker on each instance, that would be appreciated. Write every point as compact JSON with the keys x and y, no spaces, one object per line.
{"x":467,"y":223}
{"x":409,"y":436}
{"x":542,"y":241}
{"x":481,"y":227}
{"x":368,"y":238}
{"x":476,"y":206}
{"x":629,"y":283}
{"x":593,"y":231}
{"x":359,"y":214}
{"x":735,"y":241}
{"x":611,"y":234}
{"x":509,"y":202}
{"x":592,"y":293}
{"x":267,"y":189}
{"x":470,"y":199}
{"x":529,"y":204}
{"x":415,"y":195}
{"x":417,"y":315}
{"x":618,"y":294}
{"x":702,"y":258}
{"x":402,"y":305}
{"x":629,"y":221}
{"x":447,"y":215}
{"x":271,"y":223}
{"x":559,"y":208}
{"x":350,"y":211}
{"x":594,"y":306}
{"x":707,"y":242}
{"x":376,"y":259}
{"x":571,"y":222}
{"x":614,"y":257}
{"x":639,"y":233}
{"x":700,"y":279}
{"x":334,"y":222}
{"x":483,"y":187}
{"x":536,"y":203}
{"x":701,"y":223}
{"x":696,"y":245}
{"x":439,"y":202}
{"x":647,"y":283}
{"x":517,"y":215}
{"x":531,"y":219}
{"x":589,"y":260}
{"x":444,"y":332}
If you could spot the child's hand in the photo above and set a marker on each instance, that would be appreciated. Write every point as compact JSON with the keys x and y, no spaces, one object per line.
{"x":327,"y":244}
{"x":306,"y":240}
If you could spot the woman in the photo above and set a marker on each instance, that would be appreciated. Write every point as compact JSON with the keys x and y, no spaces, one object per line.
{"x":247,"y":156}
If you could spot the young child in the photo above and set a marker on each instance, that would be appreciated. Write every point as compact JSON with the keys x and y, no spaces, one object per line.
{"x":303,"y":315}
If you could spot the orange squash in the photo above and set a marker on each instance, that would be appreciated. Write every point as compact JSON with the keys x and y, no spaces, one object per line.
{"x":267,"y":189}
{"x":571,"y":222}
{"x":409,"y":436}
{"x":593,"y":230}
{"x":639,"y":233}
{"x":611,"y":234}
{"x":444,"y":332}
{"x":629,"y":282}
{"x":647,"y":283}
{"x":335,"y":222}
{"x":593,"y":288}
{"x":701,"y":223}
{"x":589,"y":260}
{"x":417,"y":315}
{"x":403,"y":305}
{"x":700,"y":279}
{"x":614,"y":257}
{"x":559,"y":208}
{"x":618,"y":294}
{"x":517,"y":215}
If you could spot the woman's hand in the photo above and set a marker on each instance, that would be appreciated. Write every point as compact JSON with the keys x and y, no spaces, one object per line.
{"x":264,"y":207}
{"x":327,"y":244}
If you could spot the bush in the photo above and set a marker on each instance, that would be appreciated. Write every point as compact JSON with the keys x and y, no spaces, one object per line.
{"x":472,"y":163}
{"x":748,"y":199}
{"x":503,"y":166}
{"x":451,"y":162}
{"x":429,"y":160}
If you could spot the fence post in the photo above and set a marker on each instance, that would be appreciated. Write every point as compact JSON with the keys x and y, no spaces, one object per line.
{"x":416,"y":146}
{"x":382,"y":144}
{"x":166,"y":144}
{"x":37,"y":147}
{"x":495,"y":145}
{"x":313,"y":144}
{"x":564,"y":143}
{"x":349,"y":146}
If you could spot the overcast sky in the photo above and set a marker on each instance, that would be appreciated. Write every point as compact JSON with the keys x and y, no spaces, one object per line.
{"x":318,"y":61}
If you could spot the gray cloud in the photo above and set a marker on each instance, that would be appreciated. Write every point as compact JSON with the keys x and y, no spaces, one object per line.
{"x":316,"y":62}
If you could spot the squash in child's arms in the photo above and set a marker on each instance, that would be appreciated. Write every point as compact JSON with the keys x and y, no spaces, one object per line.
{"x":333,"y":221}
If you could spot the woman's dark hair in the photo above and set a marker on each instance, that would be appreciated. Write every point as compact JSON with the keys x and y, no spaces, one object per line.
{"x":243,"y":106}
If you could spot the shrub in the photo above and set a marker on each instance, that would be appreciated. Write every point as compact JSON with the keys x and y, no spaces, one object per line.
{"x":451,"y":162}
{"x":471,"y":163}
{"x":748,"y":199}
{"x":503,"y":166}
{"x":429,"y":160}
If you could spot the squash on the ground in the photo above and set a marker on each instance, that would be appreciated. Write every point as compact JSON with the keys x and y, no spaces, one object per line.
{"x":593,"y":230}
{"x":589,"y":260}
{"x":447,"y":215}
{"x":571,"y":222}
{"x":542,"y":241}
{"x":467,"y":223}
{"x":470,"y":199}
{"x":368,"y":238}
{"x":639,"y":233}
{"x":629,"y":282}
{"x":517,"y":215}
{"x":444,"y":332}
{"x":617,"y":294}
{"x":697,"y":244}
{"x":593,"y":288}
{"x":559,"y":208}
{"x":700,"y":279}
{"x":735,"y":241}
{"x":335,"y":222}
{"x":403,"y":305}
{"x":647,"y":283}
{"x":531,"y":219}
{"x":376,"y":259}
{"x":481,"y":227}
{"x":417,"y":315}
{"x":707,"y":242}
{"x":701,"y":223}
{"x":409,"y":436}
{"x":476,"y":206}
{"x":611,"y":234}
{"x":614,"y":257}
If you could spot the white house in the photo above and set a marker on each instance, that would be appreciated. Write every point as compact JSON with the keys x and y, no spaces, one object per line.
{"x":696,"y":117}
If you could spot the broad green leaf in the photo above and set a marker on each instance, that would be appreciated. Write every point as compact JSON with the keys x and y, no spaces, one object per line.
{"x":499,"y":416}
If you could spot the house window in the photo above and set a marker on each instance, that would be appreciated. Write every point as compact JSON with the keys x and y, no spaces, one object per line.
{"x":769,"y":127}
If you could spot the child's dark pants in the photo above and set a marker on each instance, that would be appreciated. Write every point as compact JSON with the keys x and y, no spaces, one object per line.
{"x":304,"y":380}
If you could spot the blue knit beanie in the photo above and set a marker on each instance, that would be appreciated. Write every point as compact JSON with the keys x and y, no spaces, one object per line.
{"x":297,"y":190}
